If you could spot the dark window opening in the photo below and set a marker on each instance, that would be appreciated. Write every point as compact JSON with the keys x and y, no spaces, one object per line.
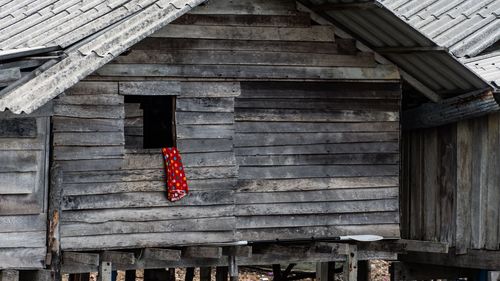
{"x":149,"y":121}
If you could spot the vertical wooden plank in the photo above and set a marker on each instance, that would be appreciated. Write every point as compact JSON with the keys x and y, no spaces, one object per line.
{"x":430,"y":185}
{"x":233,"y":268}
{"x":205,"y":273}
{"x":416,"y":186}
{"x":464,"y":182}
{"x":79,"y":277}
{"x":322,"y":271}
{"x":130,"y":275}
{"x":53,"y":239}
{"x":105,"y":271}
{"x":448,"y":180}
{"x":159,"y":274}
{"x":221,"y":273}
{"x":189,"y":274}
{"x":478,"y":177}
{"x":350,"y":269}
{"x":364,"y":271}
{"x":492,"y":220}
{"x":404,"y":191}
{"x":9,"y":275}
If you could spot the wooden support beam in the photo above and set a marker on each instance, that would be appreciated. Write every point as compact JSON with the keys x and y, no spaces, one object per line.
{"x":414,"y":271}
{"x":424,"y":246}
{"x":325,"y":271}
{"x":466,"y":106}
{"x":9,"y":275}
{"x":130,"y":275}
{"x":105,"y":271}
{"x":350,"y":269}
{"x":171,"y":274}
{"x":423,"y":89}
{"x":79,"y":277}
{"x":202,"y":252}
{"x":161,"y":254}
{"x":53,"y":240}
{"x":237,"y":251}
{"x":233,"y":268}
{"x":36,"y":275}
{"x":9,"y":75}
{"x":189,"y":274}
{"x":116,"y":257}
{"x":158,"y":274}
{"x":479,"y":259}
{"x":221,"y":273}
{"x":364,"y":271}
{"x":205,"y":273}
{"x":405,"y":50}
{"x":80,"y":258}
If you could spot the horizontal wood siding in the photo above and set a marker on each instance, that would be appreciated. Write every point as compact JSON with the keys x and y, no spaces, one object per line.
{"x":23,"y":191}
{"x":114,"y":190}
{"x":308,"y":172}
{"x":284,"y":149}
{"x":452,"y":184}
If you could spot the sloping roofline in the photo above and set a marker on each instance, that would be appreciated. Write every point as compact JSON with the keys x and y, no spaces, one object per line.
{"x":89,"y":55}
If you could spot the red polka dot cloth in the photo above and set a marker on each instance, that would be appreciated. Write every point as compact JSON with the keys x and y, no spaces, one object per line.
{"x":177,"y":186}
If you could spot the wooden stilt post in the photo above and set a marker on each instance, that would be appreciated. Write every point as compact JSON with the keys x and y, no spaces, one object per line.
{"x":130,"y":275}
{"x":325,"y":271}
{"x":364,"y":271}
{"x":160,"y":274}
{"x":221,"y":273}
{"x":105,"y":271}
{"x":9,"y":275}
{"x":171,"y":274}
{"x":276,"y":272}
{"x":233,"y":268}
{"x":350,"y":271}
{"x":205,"y":273}
{"x":189,"y":274}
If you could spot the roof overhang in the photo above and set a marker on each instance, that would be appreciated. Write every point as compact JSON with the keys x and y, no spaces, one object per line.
{"x":430,"y":68}
{"x":85,"y":57}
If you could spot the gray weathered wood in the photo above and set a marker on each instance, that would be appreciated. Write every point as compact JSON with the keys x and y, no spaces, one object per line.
{"x":350,"y":268}
{"x":379,"y":72}
{"x":320,"y":159}
{"x":305,"y":127}
{"x":161,"y":254}
{"x":149,"y":199}
{"x":205,"y":104}
{"x":150,"y":88}
{"x":314,"y":33}
{"x":18,"y":128}
{"x":26,"y":223}
{"x":284,"y":172}
{"x":383,"y":147}
{"x":81,"y":258}
{"x":187,"y":225}
{"x":117,"y":257}
{"x":9,"y":275}
{"x":105,"y":271}
{"x":288,"y":115}
{"x":202,"y":252}
{"x":65,"y":124}
{"x":22,"y":258}
{"x":260,"y":185}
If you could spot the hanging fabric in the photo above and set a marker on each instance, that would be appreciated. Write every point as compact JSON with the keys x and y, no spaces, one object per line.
{"x":177,"y":186}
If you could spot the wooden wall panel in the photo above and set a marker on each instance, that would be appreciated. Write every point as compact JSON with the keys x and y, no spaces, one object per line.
{"x":296,"y":161}
{"x":461,"y":207}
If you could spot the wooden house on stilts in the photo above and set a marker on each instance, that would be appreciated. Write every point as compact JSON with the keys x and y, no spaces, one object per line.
{"x":303,"y":127}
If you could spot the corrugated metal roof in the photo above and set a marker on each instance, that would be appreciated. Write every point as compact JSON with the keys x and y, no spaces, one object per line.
{"x":466,"y":27}
{"x":124,"y":26}
{"x":411,"y":50}
{"x":47,"y":23}
{"x":487,"y":66}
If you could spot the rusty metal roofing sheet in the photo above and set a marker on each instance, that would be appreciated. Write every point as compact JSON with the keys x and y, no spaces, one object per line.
{"x":137,"y":19}
{"x":466,"y":27}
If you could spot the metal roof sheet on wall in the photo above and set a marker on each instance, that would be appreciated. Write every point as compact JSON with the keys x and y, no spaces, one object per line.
{"x":466,"y":27}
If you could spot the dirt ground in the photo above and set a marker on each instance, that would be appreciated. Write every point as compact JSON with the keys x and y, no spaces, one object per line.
{"x":379,"y":272}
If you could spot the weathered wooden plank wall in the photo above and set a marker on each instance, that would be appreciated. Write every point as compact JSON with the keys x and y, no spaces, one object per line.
{"x":343,"y":149}
{"x":453,"y":184}
{"x":23,"y":191}
{"x":317,"y":160}
{"x":115,"y":197}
